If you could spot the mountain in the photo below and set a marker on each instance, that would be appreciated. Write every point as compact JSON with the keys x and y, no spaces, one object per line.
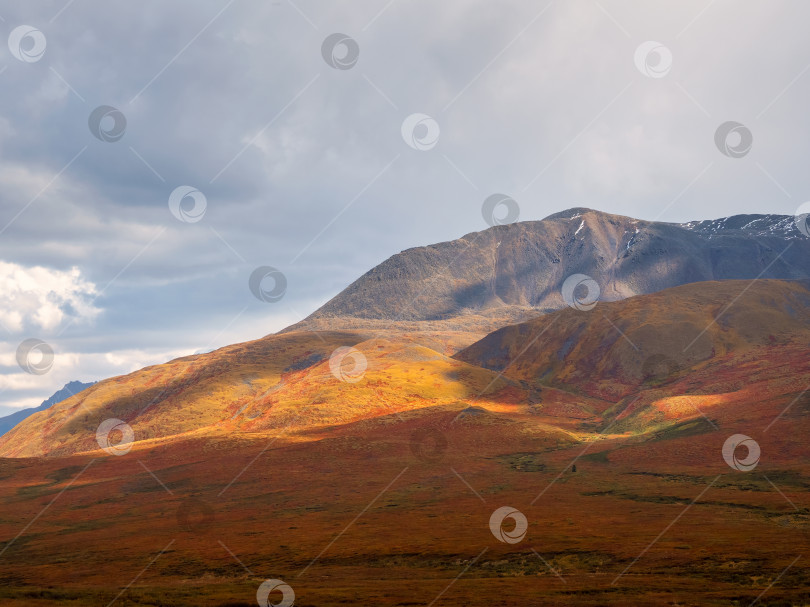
{"x":513,"y":272}
{"x":69,"y":389}
{"x":256,"y":462}
{"x":409,"y":315}
{"x":352,"y":458}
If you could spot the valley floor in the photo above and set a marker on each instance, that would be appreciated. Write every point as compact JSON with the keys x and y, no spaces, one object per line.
{"x":399,"y":514}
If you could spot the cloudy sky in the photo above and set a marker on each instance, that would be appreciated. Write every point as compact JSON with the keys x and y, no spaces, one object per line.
{"x":304,"y":155}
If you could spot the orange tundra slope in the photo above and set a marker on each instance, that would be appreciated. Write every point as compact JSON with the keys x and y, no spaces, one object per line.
{"x":257,"y":462}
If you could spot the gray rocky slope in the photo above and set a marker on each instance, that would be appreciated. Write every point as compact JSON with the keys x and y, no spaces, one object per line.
{"x":512,"y":272}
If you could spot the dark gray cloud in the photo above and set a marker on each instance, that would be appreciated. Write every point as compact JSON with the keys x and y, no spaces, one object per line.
{"x":304,"y":168}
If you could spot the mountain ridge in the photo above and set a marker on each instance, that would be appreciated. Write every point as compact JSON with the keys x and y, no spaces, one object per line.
{"x":69,"y":389}
{"x":513,"y":272}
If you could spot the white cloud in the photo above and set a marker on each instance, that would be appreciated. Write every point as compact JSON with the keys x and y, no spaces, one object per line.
{"x":20,"y":390}
{"x":42,"y":297}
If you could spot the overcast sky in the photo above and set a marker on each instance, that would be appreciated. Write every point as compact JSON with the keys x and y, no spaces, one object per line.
{"x":304,"y":166}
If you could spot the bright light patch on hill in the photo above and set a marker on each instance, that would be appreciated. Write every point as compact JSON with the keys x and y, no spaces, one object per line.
{"x":43,"y":297}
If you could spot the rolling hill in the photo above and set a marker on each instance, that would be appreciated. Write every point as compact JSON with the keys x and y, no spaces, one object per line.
{"x":674,"y":352}
{"x":695,"y":352}
{"x":274,"y":384}
{"x":618,"y":348}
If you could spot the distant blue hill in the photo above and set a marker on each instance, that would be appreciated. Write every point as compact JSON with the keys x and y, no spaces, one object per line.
{"x":71,"y":388}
